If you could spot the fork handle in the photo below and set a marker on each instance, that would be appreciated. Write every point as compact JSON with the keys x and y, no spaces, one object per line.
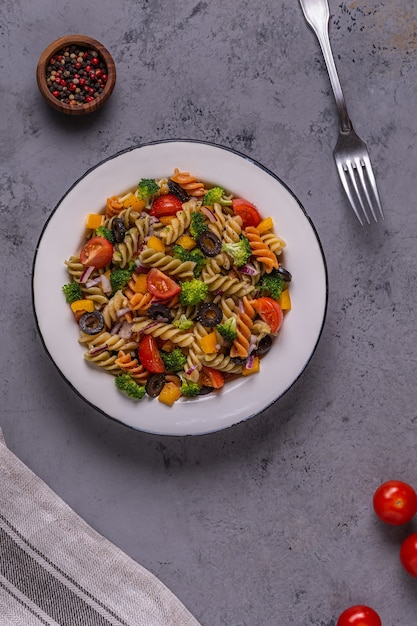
{"x":316,"y":13}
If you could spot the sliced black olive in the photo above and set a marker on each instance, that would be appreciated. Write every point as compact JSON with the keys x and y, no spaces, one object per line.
{"x":160,"y":313}
{"x":178,"y":191}
{"x":264,"y":345}
{"x":205,"y":390}
{"x":209,"y":314}
{"x":209,"y":243}
{"x":118,"y":229}
{"x":154,"y":385}
{"x":238,"y":360}
{"x":91,"y":323}
{"x":285,"y":274}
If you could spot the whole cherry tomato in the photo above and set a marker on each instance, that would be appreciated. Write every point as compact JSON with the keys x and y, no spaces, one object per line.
{"x":359,"y":615}
{"x":395,"y":502}
{"x":408,"y":554}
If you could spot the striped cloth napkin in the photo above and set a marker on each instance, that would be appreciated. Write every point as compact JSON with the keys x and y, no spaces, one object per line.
{"x":56,"y":570}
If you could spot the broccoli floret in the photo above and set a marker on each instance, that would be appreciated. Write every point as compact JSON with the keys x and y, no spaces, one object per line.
{"x":272,"y":285}
{"x":125,"y":383}
{"x":175,"y":360}
{"x":102,"y":231}
{"x":216,"y":194}
{"x":189,"y":389}
{"x":183,"y":323}
{"x":240,"y":251}
{"x":72,"y":292}
{"x":197,"y":224}
{"x":193,"y":292}
{"x":228,"y":329}
{"x":147,"y":188}
{"x":195,"y":255}
{"x":119,"y":278}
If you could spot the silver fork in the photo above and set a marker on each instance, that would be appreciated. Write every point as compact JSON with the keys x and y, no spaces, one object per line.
{"x":351,"y":154}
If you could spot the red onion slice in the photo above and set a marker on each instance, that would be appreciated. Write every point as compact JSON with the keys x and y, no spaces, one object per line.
{"x":249,"y":270}
{"x":125,"y":331}
{"x":102,"y":348}
{"x":122,"y":312}
{"x":249,"y":362}
{"x":106,"y":284}
{"x":86,"y":274}
{"x":93,"y":283}
{"x":209,"y":214}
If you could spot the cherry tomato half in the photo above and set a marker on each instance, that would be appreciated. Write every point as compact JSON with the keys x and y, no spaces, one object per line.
{"x":160,"y":285}
{"x":247,"y":211}
{"x":97,"y":252}
{"x":210,"y":377}
{"x":149,"y":355}
{"x":270,"y":312}
{"x":395,"y":502}
{"x":408,"y":554}
{"x":359,"y":615}
{"x":165,"y":205}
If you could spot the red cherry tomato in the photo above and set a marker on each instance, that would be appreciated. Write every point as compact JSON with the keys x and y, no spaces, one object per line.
{"x":270,"y":312}
{"x":210,"y":377}
{"x":150,"y":356}
{"x":359,"y":615}
{"x":165,"y":205}
{"x":98,"y":252}
{"x":395,"y":502}
{"x":160,"y":285}
{"x":408,"y":554}
{"x":247,"y":211}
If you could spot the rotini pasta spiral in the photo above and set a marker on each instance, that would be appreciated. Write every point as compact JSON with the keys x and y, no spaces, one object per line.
{"x":188,"y":182}
{"x":224,"y":284}
{"x":166,"y":263}
{"x":240,"y":347}
{"x":113,"y":207}
{"x":260,"y":249}
{"x":177,"y":225}
{"x":128,"y":364}
{"x":111,"y":312}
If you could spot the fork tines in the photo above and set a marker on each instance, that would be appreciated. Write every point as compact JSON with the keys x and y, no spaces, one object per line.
{"x":360,"y":186}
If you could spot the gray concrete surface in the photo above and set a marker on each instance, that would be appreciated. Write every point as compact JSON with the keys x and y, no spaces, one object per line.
{"x":269,"y":522}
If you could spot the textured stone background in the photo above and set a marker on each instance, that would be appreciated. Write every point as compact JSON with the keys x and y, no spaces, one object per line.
{"x":269,"y":522}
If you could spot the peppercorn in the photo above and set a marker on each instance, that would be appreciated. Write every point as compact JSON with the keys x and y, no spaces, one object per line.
{"x":76,"y":75}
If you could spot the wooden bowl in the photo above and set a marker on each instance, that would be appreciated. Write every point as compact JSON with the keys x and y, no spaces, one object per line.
{"x":82,"y":43}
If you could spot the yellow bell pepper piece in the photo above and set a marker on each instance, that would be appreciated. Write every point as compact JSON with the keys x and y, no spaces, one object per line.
{"x":156,"y":244}
{"x":265,"y":225}
{"x":166,"y":219}
{"x":256,"y":366}
{"x":137,"y":204}
{"x":208,"y":343}
{"x":82,"y":305}
{"x":187,"y":242}
{"x":94,"y":220}
{"x":139,"y":285}
{"x":169,"y":394}
{"x":79,"y":307}
{"x":284,"y":300}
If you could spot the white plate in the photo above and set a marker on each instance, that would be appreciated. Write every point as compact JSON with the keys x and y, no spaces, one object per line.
{"x":295,"y":343}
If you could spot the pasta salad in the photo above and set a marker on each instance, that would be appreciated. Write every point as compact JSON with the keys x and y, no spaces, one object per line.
{"x":178,"y":287}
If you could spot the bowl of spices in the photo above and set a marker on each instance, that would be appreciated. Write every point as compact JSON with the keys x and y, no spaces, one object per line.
{"x":76,"y":74}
